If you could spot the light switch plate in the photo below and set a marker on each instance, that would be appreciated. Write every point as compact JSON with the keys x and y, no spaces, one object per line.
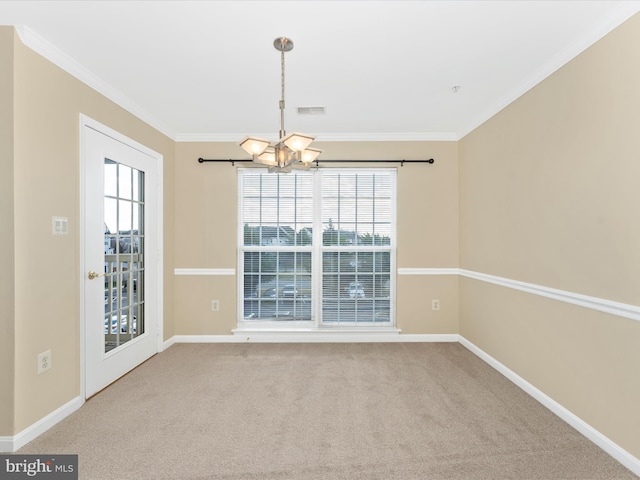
{"x":59,"y":225}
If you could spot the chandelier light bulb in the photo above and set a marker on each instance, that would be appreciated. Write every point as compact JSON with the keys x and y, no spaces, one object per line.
{"x":254,"y":146}
{"x":310,"y":154}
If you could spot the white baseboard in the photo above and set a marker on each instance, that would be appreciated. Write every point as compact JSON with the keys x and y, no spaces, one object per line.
{"x":11,"y":444}
{"x":247,"y":336}
{"x":6,"y":444}
{"x":206,"y":339}
{"x":606,"y":444}
{"x":167,"y":343}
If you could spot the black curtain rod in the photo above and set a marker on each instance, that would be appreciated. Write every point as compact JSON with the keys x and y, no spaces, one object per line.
{"x":317,"y":162}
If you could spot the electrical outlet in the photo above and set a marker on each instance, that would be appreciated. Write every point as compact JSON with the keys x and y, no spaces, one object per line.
{"x":435,"y":304}
{"x":44,"y":361}
{"x":215,"y":305}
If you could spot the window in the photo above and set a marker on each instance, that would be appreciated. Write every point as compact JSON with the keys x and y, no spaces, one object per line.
{"x":317,"y":248}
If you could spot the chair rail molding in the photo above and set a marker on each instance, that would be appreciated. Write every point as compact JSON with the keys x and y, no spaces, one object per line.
{"x":619,"y":309}
{"x":204,"y":271}
{"x":595,"y":303}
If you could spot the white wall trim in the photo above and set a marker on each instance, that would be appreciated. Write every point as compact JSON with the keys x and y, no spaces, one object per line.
{"x":282,"y":336}
{"x":428,"y":271}
{"x":11,"y":444}
{"x":6,"y":444}
{"x":168,"y":343}
{"x":595,"y":303}
{"x":42,"y":46}
{"x":56,"y":56}
{"x":606,"y":444}
{"x":329,"y":137}
{"x":204,"y":271}
{"x":621,"y":13}
{"x":608,"y":306}
{"x":619,"y":309}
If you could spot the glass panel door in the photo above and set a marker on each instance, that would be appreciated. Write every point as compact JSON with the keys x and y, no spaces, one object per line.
{"x":120,"y":229}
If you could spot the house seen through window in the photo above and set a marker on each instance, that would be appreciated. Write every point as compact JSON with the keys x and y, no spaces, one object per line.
{"x":317,"y":248}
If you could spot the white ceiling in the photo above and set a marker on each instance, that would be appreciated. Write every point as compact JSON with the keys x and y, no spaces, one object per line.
{"x":384,"y":70}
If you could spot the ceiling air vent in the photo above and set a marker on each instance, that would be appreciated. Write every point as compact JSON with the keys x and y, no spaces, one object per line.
{"x":312,"y":110}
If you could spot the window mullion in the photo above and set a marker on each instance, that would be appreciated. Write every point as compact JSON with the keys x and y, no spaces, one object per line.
{"x":316,"y":255}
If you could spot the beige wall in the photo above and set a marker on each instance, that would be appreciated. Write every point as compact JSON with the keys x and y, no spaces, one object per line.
{"x":7,"y":310}
{"x":48,"y":102}
{"x":549,"y":195}
{"x":206,"y":231}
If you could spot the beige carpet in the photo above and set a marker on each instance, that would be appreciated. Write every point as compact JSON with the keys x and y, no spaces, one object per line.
{"x":321,"y":411}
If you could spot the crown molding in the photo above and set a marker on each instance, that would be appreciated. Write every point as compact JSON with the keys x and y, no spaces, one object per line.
{"x":56,"y":56}
{"x":49,"y":51}
{"x":328,"y":137}
{"x":620,"y":14}
{"x":389,"y":137}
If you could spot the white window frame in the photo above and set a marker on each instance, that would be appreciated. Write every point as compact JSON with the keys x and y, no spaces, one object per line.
{"x":317,"y":250}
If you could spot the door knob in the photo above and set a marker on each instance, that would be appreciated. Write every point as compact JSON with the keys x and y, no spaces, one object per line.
{"x":93,"y":275}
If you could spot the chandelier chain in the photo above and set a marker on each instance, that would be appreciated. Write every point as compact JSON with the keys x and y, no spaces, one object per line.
{"x":282,"y":76}
{"x":282,"y":131}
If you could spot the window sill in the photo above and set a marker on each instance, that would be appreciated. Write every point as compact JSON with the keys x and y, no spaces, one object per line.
{"x":318,"y":334}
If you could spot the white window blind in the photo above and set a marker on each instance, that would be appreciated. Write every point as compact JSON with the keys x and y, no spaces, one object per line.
{"x":317,"y":248}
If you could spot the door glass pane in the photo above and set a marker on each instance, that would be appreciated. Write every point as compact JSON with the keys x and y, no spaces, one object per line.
{"x":110,"y":178}
{"x":123,"y":254}
{"x":135,"y":184}
{"x":135,"y":218}
{"x":124,"y":181}
{"x":124,"y":217}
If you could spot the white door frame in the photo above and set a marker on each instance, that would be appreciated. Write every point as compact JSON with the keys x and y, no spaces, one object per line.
{"x":95,"y":125}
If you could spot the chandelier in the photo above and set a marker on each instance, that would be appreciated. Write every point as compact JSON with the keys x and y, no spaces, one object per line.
{"x":290,"y":151}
